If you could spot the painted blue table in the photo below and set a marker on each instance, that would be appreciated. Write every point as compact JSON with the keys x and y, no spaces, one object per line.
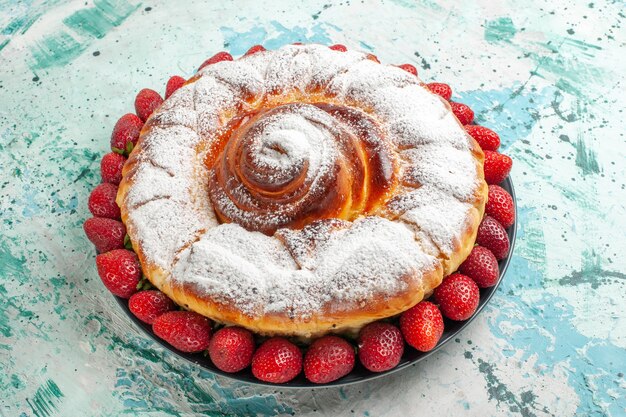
{"x":547,"y":77}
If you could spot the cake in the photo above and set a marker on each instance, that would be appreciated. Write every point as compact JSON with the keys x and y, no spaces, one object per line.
{"x":302,"y":191}
{"x":294,"y":211}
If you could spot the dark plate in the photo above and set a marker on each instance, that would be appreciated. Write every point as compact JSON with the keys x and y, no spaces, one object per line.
{"x":359,"y":374}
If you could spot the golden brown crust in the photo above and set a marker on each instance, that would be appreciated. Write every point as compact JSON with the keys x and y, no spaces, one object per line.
{"x":329,"y":318}
{"x":324,"y":321}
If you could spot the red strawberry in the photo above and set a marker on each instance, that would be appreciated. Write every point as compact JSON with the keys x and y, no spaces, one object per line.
{"x":440,"y":89}
{"x":409,"y":68}
{"x":492,"y":235}
{"x":120,"y":271}
{"x":255,"y":49}
{"x":150,"y":304}
{"x":297,"y":43}
{"x":422,"y":326}
{"x":457,"y":297}
{"x":482,"y":266}
{"x":106,"y":234}
{"x":500,"y":206}
{"x":231,"y":349}
{"x":338,"y":47}
{"x":146,"y":102}
{"x":102,"y":201}
{"x":487,"y":139}
{"x":173,"y":84}
{"x":277,"y":360}
{"x":218,"y":57}
{"x":462,"y":112}
{"x":380,"y":346}
{"x":328,"y":359}
{"x":126,"y":133}
{"x":185,"y":330}
{"x":111,"y":167}
{"x":497,"y":167}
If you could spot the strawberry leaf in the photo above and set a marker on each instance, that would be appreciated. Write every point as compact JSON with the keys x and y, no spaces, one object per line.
{"x":117,"y":150}
{"x":144,"y":284}
{"x":127,"y":243}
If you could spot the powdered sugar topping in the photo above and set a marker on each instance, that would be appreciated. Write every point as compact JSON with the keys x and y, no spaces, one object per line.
{"x":329,"y":264}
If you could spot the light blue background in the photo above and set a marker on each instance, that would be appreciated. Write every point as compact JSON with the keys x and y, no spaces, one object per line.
{"x":548,"y":77}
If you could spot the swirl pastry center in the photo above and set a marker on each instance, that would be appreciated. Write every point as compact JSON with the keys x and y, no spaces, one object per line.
{"x":290,"y":165}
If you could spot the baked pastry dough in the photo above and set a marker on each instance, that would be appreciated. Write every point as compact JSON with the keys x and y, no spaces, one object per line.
{"x":302,"y":191}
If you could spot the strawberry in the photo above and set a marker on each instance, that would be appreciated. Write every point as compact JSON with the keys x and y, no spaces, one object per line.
{"x":126,"y":133}
{"x":328,"y":359}
{"x":150,"y":304}
{"x":462,"y":112}
{"x":255,"y":49}
{"x":297,"y":43}
{"x":277,"y":360}
{"x":106,"y":234}
{"x":440,"y":89}
{"x":482,"y":266}
{"x":218,"y":57}
{"x":492,"y":235}
{"x":422,"y":326}
{"x":380,"y":346}
{"x":500,"y":206}
{"x":120,"y":271}
{"x":111,"y":167}
{"x":185,"y":330}
{"x":487,"y":139}
{"x":409,"y":68}
{"x":338,"y":47}
{"x":146,"y":102}
{"x":173,"y":84}
{"x":497,"y":166}
{"x":102,"y":201}
{"x":457,"y":297}
{"x":231,"y":349}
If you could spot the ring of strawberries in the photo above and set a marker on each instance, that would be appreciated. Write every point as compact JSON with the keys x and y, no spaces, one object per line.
{"x":379,"y":346}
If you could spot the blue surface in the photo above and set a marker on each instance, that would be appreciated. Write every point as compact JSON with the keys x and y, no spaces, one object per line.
{"x":548,"y":78}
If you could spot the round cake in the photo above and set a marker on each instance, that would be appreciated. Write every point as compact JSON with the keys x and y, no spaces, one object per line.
{"x":302,"y":191}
